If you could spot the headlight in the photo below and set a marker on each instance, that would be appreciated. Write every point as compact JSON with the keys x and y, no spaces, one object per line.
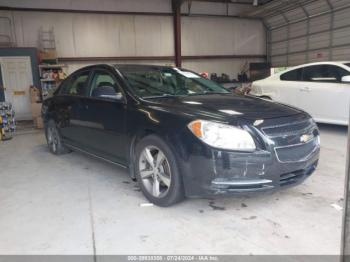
{"x":222,"y":136}
{"x":256,"y":90}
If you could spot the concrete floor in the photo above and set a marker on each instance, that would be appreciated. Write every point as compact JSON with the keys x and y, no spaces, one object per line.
{"x":74,"y":204}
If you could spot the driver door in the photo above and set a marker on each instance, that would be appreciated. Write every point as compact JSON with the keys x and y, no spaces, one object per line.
{"x":104,"y":117}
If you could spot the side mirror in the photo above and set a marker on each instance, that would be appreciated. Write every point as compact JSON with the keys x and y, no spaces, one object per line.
{"x":108,"y":92}
{"x":345,"y":79}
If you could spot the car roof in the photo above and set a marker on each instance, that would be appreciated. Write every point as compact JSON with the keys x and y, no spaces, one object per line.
{"x":338,"y":63}
{"x":122,"y":67}
{"x":323,"y":63}
{"x":139,"y":66}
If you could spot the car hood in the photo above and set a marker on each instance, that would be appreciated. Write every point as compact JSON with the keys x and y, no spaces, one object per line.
{"x":223,"y":106}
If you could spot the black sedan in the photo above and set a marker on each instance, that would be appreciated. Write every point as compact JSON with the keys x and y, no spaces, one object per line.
{"x":180,"y":134}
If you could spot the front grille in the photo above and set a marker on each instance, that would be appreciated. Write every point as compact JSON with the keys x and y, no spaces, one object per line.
{"x":294,"y":177}
{"x":294,"y":153}
{"x":288,"y":140}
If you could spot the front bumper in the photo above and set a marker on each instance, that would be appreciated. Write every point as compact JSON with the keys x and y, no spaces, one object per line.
{"x":233,"y":173}
{"x":209,"y":171}
{"x":269,"y":182}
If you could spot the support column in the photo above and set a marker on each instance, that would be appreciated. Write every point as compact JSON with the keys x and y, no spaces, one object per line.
{"x":331,"y":31}
{"x":345,"y":243}
{"x":288,"y":36}
{"x":177,"y":30}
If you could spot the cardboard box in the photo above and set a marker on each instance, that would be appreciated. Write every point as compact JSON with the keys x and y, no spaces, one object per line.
{"x":48,"y":55}
{"x":36,"y":109}
{"x":34,"y":94}
{"x":38,"y":122}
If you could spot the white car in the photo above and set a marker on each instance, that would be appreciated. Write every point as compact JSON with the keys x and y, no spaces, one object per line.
{"x":321,"y":89}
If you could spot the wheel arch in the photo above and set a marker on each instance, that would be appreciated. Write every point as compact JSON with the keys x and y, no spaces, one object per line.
{"x":140,"y":135}
{"x":134,"y":140}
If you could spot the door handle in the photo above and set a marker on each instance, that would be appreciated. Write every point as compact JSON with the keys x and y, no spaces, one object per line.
{"x":305,"y":89}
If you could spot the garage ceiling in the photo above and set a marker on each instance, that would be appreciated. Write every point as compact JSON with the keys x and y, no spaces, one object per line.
{"x":301,"y":31}
{"x":248,"y":2}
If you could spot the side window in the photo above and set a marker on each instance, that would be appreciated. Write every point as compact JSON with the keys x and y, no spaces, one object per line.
{"x":337,"y":72}
{"x":324,"y":73}
{"x":77,"y":85}
{"x":104,"y":85}
{"x":62,"y":86}
{"x":294,"y":75}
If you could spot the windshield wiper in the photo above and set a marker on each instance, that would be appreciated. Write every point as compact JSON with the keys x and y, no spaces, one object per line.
{"x":208,"y":93}
{"x":160,"y":96}
{"x":193,"y":94}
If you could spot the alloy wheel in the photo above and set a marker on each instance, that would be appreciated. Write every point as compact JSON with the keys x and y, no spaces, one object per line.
{"x":154,"y":170}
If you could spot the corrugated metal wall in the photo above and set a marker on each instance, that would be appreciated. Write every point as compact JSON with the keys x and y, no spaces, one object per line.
{"x":311,"y":31}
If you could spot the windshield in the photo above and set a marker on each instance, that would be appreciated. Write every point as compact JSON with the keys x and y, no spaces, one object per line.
{"x":347,"y":64}
{"x":148,"y":82}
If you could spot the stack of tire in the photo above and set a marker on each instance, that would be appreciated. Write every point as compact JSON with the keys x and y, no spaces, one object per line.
{"x":7,"y":121}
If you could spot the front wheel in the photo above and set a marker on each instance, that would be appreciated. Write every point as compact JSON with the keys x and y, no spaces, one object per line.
{"x":157,"y":172}
{"x":53,"y":139}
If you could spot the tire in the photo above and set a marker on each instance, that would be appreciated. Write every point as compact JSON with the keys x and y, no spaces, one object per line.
{"x":54,"y":140}
{"x":155,"y":167}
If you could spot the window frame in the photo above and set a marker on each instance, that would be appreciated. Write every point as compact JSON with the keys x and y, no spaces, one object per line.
{"x":69,"y":79}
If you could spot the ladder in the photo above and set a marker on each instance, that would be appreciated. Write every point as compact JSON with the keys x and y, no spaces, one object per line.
{"x":47,"y":40}
{"x":6,"y":33}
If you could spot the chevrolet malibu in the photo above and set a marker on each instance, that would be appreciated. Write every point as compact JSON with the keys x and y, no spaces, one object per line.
{"x":178,"y":134}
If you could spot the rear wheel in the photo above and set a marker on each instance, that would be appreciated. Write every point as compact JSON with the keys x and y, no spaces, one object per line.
{"x":157,"y":172}
{"x":53,"y":139}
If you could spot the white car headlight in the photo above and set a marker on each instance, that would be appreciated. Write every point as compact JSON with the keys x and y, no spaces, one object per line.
{"x":255,"y":90}
{"x":222,"y":136}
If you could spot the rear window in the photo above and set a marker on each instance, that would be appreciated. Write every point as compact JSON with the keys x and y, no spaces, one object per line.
{"x":294,"y":75}
{"x":324,"y":73}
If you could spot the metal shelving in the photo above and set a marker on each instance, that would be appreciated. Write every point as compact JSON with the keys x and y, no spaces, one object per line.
{"x":51,"y":76}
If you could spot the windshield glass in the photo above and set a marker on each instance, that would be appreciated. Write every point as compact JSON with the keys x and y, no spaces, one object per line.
{"x":347,"y":64}
{"x":148,"y":82}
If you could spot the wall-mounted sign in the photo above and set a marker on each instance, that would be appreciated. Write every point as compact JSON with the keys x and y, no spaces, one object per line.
{"x":19,"y":93}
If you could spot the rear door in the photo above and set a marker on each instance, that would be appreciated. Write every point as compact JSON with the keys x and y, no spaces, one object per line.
{"x":323,"y":95}
{"x":70,"y":107}
{"x":288,"y":88}
{"x":104,"y":117}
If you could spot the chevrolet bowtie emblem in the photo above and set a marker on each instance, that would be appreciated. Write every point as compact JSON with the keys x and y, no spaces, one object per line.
{"x":306,"y":138}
